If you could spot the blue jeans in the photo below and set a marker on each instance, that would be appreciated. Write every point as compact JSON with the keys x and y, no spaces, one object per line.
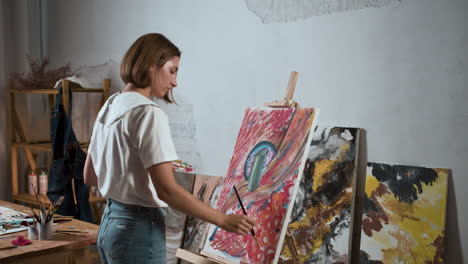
{"x":132,"y":234}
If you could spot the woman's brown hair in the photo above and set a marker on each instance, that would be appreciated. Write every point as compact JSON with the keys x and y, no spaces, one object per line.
{"x":148,"y":50}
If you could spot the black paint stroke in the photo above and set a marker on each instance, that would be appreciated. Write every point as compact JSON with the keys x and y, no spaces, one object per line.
{"x":405,"y":182}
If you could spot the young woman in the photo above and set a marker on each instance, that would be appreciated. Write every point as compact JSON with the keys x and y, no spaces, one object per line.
{"x":129,"y":160}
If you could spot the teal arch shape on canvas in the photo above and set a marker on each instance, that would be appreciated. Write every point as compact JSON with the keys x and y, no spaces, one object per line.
{"x":257,"y":160}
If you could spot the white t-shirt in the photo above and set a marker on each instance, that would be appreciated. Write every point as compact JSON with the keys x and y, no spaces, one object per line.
{"x":131,"y":133}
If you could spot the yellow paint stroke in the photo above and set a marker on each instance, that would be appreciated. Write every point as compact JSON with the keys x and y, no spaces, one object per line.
{"x":371,"y":184}
{"x":313,"y":215}
{"x":322,"y":168}
{"x":285,"y":253}
{"x":412,"y":228}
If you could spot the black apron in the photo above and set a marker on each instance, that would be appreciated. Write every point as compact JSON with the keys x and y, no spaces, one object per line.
{"x":66,"y":171}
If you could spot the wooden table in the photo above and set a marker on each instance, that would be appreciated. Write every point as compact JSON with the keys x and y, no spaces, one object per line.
{"x":62,"y":248}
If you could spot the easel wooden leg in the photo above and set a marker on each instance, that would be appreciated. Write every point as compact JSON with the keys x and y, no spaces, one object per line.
{"x":292,"y":247}
{"x":195,"y":258}
{"x":287,"y":102}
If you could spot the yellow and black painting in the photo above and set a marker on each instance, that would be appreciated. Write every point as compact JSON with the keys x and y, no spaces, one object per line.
{"x":403,"y":214}
{"x":321,"y":218}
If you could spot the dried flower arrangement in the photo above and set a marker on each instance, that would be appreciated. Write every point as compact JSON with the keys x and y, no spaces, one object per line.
{"x":39,"y":77}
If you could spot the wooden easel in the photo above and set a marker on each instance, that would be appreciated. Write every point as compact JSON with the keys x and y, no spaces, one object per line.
{"x":287,"y":102}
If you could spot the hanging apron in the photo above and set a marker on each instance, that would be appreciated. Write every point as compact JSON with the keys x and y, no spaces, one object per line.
{"x":66,"y":171}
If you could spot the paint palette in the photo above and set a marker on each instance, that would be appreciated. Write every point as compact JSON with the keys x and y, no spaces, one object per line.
{"x":182,"y":166}
{"x":11,"y":221}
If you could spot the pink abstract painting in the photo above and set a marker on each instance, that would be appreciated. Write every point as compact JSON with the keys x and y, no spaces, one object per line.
{"x":265,"y":168}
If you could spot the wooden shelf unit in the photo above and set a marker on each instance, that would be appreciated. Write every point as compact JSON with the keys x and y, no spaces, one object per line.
{"x":20,"y":141}
{"x":43,"y":146}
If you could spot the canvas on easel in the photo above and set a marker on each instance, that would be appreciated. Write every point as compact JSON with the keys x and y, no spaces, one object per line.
{"x":266,"y":166}
{"x":321,"y":221}
{"x":404,"y":213}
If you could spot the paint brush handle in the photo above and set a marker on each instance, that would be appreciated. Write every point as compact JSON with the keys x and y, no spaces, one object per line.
{"x":242,"y":206}
{"x":240,"y":201}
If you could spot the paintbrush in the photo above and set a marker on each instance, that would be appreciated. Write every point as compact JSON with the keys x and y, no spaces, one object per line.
{"x":37,"y":198}
{"x":55,"y":207}
{"x":49,"y":208}
{"x":7,"y":247}
{"x":35,"y":215}
{"x":245,"y":213}
{"x":58,"y":203}
{"x":42,"y":204}
{"x":59,"y":220}
{"x":70,"y":231}
{"x":62,"y":216}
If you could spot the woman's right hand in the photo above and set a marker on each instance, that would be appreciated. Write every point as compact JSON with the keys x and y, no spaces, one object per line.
{"x":239,"y":224}
{"x":177,"y":197}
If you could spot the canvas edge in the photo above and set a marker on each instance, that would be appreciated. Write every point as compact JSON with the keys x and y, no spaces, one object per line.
{"x":287,"y":217}
{"x":359,"y":199}
{"x":354,"y":186}
{"x":444,"y":232}
{"x":367,"y":165}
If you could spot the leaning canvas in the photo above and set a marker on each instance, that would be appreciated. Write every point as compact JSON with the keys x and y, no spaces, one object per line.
{"x":206,"y":188}
{"x":321,"y":221}
{"x":266,"y":166}
{"x":403,"y":214}
{"x":176,"y":220}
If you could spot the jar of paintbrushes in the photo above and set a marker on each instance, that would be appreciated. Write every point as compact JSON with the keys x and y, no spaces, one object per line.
{"x":42,"y":226}
{"x":45,"y":227}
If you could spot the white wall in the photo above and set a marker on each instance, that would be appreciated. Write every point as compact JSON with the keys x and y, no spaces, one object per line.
{"x":399,"y":71}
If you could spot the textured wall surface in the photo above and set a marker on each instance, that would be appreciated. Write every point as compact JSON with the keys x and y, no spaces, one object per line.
{"x":4,"y":153}
{"x":271,"y":11}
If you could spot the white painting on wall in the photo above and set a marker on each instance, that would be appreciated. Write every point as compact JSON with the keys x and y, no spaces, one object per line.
{"x":280,"y":11}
